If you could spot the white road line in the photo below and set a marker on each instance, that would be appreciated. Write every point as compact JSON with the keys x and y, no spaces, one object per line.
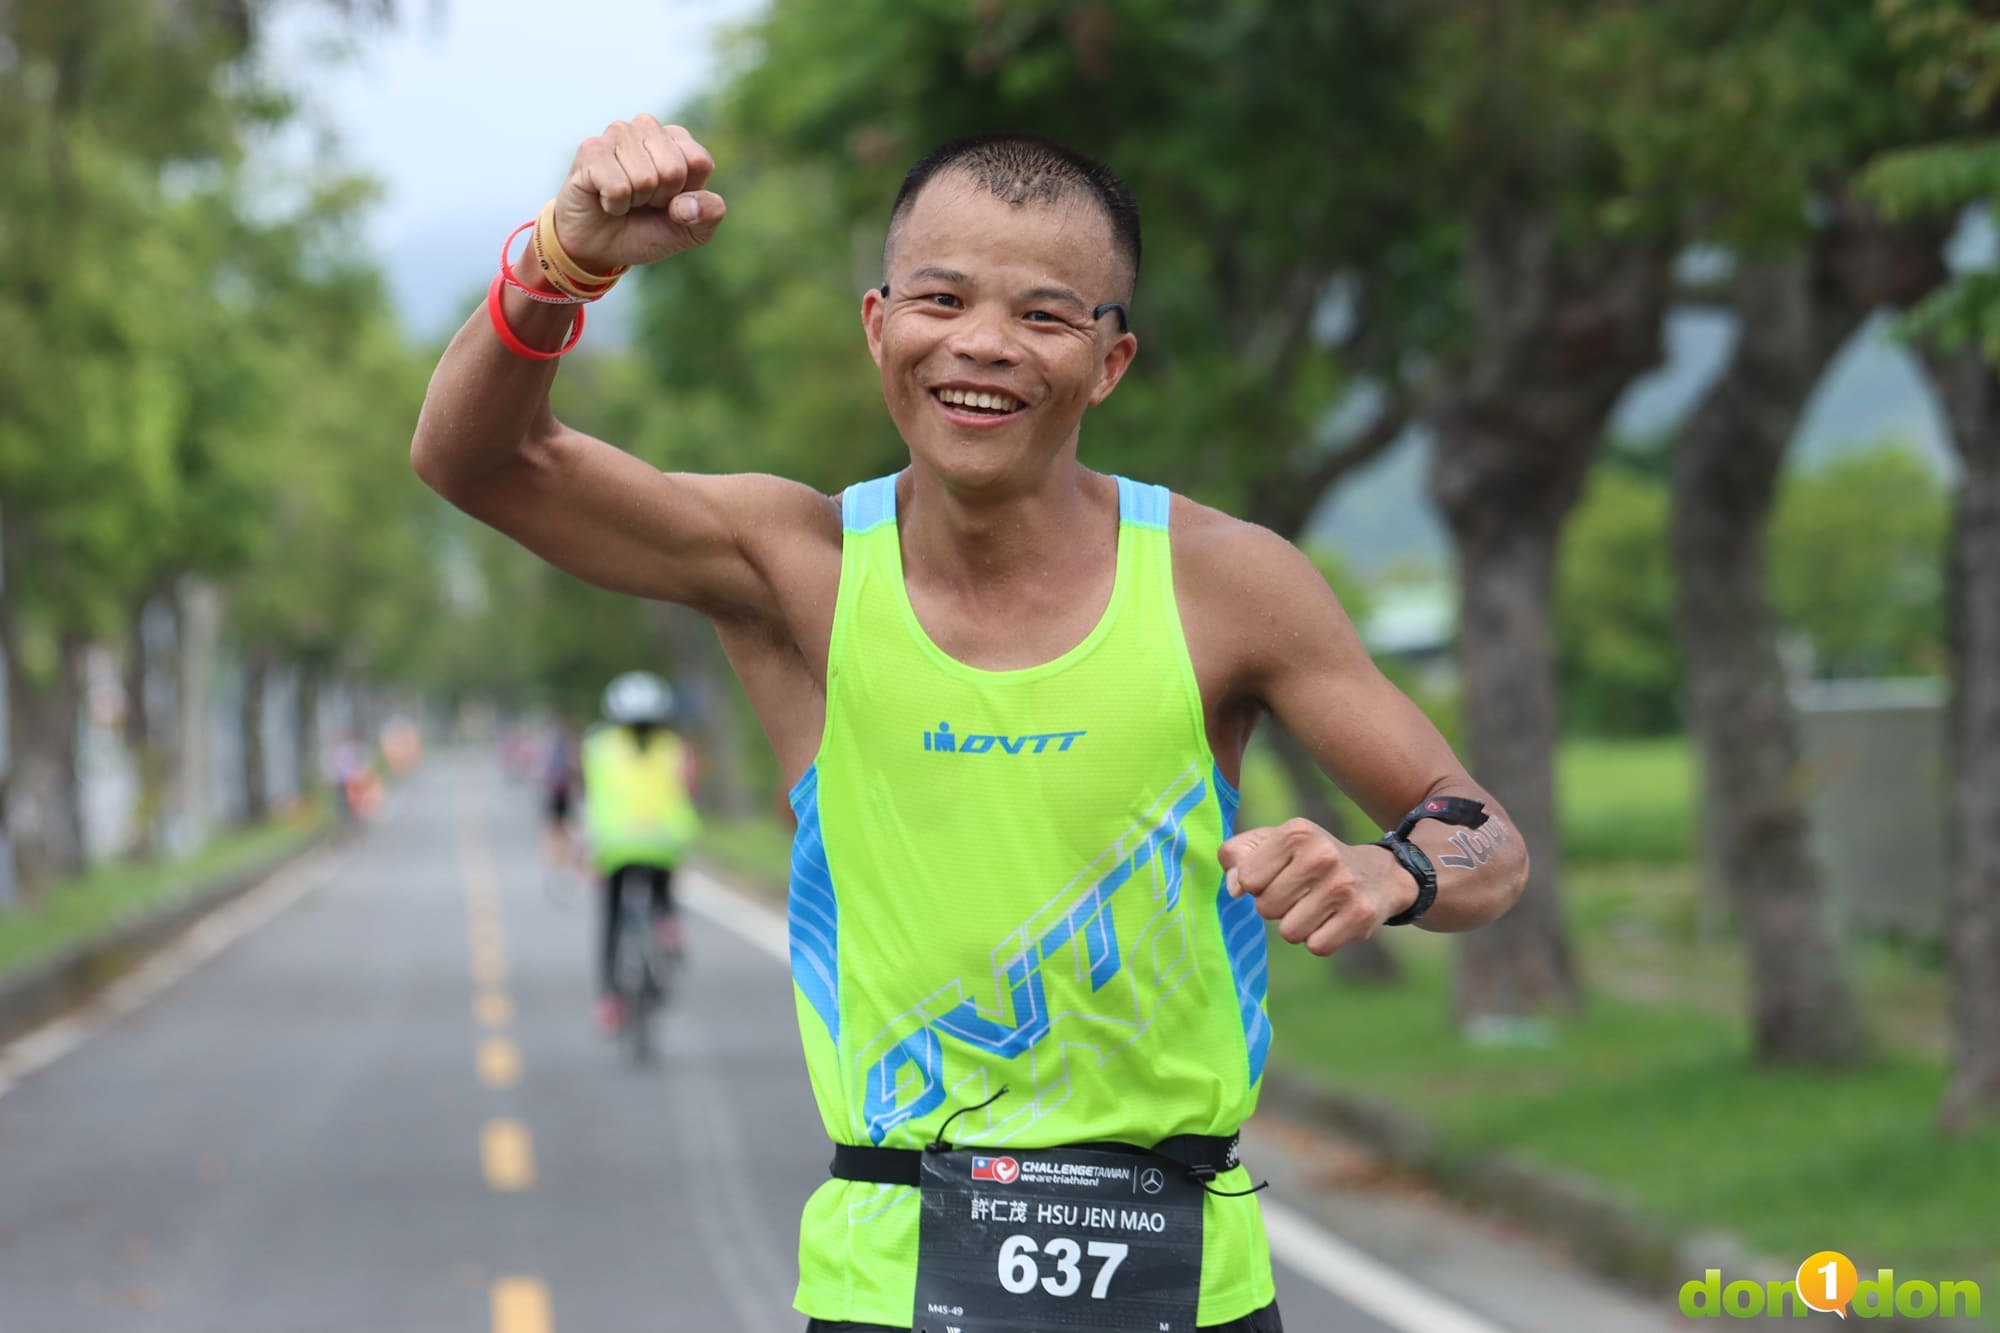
{"x":1363,"y":1281}
{"x":1304,"y":1245}
{"x":744,"y":1264}
{"x":745,"y":917}
{"x":215,"y":932}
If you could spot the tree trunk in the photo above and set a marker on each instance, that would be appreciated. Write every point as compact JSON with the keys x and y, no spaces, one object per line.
{"x":1558,"y":336}
{"x":43,"y":805}
{"x":10,"y":888}
{"x":196,"y":643}
{"x":1725,"y":477}
{"x":305,"y":730}
{"x":1971,"y":394}
{"x":143,"y":739}
{"x":138,"y":729}
{"x":1370,"y":961}
{"x":69,"y":775}
{"x":44,"y":797}
{"x":1794,"y":317}
{"x":1520,"y":966}
{"x":256,"y":787}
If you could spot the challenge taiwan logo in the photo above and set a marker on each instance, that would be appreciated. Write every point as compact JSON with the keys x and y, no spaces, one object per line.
{"x":1001,"y":1169}
{"x":1829,"y":1283}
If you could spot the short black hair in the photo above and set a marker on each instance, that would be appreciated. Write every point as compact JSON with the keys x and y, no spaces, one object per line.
{"x":1027,"y":168}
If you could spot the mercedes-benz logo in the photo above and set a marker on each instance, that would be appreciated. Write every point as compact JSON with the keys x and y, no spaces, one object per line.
{"x":1151,"y":1181}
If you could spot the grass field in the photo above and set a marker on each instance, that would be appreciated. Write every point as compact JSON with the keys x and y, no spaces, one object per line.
{"x":76,"y":910}
{"x":1627,"y":802}
{"x":1659,"y":1102}
{"x":1619,"y":802}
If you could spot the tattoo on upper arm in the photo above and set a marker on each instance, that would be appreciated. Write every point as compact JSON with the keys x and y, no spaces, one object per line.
{"x":1476,"y":845}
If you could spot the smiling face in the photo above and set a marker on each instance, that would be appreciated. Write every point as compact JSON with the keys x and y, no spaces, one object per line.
{"x":987,"y":346}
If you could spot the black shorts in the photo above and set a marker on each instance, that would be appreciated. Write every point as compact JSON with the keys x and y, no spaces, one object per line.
{"x":558,"y":807}
{"x":1257,"y":1321}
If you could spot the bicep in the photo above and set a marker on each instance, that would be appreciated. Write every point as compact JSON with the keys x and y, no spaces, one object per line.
{"x":1372,"y":740}
{"x":616,"y":521}
{"x":1302,"y":659}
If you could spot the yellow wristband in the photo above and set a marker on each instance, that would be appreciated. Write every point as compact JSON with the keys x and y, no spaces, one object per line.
{"x":550,"y":253}
{"x":555,"y":277}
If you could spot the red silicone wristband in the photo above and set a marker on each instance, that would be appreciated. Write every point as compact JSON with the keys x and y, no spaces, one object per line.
{"x":507,"y":274}
{"x":508,"y":339}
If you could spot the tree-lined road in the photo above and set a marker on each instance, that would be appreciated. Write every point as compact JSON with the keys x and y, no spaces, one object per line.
{"x":386,"y":1110}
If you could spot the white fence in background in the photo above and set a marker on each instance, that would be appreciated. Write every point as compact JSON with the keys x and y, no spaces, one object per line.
{"x":1878,"y":783}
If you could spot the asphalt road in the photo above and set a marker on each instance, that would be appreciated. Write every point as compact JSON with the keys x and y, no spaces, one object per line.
{"x":384,"y":1108}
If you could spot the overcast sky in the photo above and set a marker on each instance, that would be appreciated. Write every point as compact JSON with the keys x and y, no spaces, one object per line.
{"x":468,"y":111}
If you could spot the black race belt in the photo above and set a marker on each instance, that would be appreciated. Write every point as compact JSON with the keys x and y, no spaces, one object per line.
{"x":1202,"y":1156}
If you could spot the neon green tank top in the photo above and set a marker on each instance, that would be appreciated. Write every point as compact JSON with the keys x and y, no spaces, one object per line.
{"x":1010,"y":877}
{"x":636,"y":807}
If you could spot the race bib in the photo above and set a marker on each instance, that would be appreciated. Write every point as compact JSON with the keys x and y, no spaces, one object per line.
{"x":1058,"y":1240}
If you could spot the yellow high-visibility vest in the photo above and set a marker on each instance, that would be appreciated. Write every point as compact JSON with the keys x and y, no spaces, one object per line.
{"x":637,"y":810}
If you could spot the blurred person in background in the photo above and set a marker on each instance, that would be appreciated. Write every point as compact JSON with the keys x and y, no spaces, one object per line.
{"x":639,"y":815}
{"x":402,"y":745}
{"x":562,"y":776}
{"x":351,"y":772}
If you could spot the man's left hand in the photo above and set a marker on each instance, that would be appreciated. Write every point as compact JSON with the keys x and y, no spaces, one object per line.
{"x":1323,"y":892}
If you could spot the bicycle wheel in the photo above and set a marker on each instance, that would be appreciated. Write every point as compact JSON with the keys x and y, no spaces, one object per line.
{"x":636,"y":987}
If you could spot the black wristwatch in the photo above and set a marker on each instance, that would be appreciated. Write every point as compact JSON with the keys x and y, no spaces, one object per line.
{"x":1445,"y":809}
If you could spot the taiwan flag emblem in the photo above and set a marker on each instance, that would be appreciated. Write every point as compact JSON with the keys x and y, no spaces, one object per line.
{"x":1002,"y":1169}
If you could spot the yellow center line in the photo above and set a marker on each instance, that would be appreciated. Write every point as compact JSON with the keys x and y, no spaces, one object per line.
{"x":506,"y":1152}
{"x":492,"y":1008}
{"x":521,"y":1305}
{"x":508,"y":1155}
{"x":499,"y":1063}
{"x":482,"y":883}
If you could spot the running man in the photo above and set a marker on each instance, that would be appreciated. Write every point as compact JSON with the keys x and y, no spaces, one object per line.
{"x":1012,"y":695}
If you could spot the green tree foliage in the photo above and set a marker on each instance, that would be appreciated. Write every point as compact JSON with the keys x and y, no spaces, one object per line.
{"x":1857,"y":564}
{"x":111,"y":110}
{"x":1857,"y":568}
{"x":1255,"y":312}
{"x":1950,"y":64}
{"x":1620,"y":665}
{"x":191,"y":381}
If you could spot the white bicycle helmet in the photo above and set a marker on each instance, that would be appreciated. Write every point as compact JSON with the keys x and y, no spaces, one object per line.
{"x":638,"y":697}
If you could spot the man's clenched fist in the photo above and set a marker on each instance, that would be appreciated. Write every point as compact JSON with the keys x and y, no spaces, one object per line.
{"x":635,"y":194}
{"x":1322,"y":892}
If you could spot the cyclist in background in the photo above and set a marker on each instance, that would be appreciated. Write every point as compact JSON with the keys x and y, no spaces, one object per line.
{"x":639,"y":814}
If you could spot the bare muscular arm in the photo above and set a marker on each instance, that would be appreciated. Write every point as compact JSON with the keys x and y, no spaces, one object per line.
{"x":1267,"y":633}
{"x":488,"y":442}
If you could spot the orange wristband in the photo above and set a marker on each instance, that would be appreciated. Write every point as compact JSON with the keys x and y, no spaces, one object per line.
{"x":565,"y":273}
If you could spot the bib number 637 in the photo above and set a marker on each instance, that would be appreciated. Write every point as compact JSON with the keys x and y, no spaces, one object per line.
{"x":1019,"y":1273}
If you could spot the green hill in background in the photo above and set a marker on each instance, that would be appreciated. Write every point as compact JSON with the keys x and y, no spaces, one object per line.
{"x":1381,"y":520}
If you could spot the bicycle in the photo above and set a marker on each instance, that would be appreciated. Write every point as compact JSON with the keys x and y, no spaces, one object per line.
{"x":642,"y":975}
